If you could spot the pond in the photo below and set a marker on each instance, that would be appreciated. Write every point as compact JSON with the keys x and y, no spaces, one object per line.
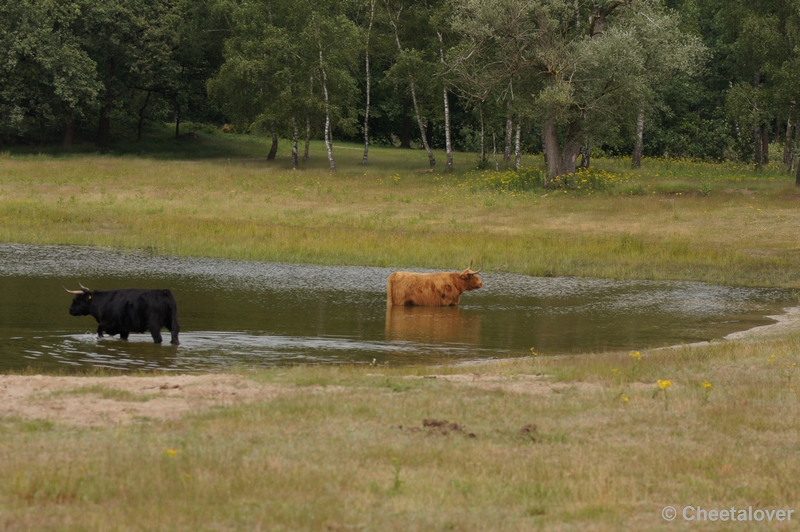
{"x":244,"y":314}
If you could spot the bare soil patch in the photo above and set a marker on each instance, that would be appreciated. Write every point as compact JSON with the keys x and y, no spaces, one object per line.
{"x":522,"y":383}
{"x":108,"y":401}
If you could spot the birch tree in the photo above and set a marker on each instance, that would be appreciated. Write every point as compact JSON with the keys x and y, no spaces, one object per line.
{"x":409,"y":61}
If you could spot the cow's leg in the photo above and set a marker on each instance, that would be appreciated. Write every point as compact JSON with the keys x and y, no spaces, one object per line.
{"x":99,"y":331}
{"x":174,"y":330}
{"x":124,"y":335}
{"x":155,"y":330}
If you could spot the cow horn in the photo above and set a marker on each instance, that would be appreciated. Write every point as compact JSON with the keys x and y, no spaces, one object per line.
{"x":75,"y":292}
{"x":83,"y":287}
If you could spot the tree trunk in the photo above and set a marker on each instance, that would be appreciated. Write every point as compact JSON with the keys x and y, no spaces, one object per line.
{"x":483,"y":137}
{"x":636,"y":162}
{"x":509,"y":133}
{"x":518,"y":147}
{"x":560,"y":161}
{"x":328,"y":144}
{"x":494,"y":147}
{"x":422,"y":132}
{"x":140,"y":125}
{"x":425,"y":143}
{"x":69,"y":132}
{"x":429,"y":133}
{"x":366,"y":62}
{"x":295,"y":136}
{"x":586,"y":154}
{"x":308,"y":139}
{"x":177,"y":121}
{"x":572,"y":147}
{"x":797,"y":177}
{"x":787,"y":144}
{"x":405,"y":138}
{"x":448,"y":147}
{"x":550,"y":149}
{"x":273,"y":150}
{"x":757,"y":146}
{"x":764,"y":144}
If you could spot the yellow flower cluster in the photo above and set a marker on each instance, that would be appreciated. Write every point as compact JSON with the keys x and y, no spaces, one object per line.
{"x":589,"y":180}
{"x":663,"y":385}
{"x":636,"y":355}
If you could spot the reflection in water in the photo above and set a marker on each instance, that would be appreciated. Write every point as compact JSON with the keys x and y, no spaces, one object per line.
{"x":433,"y":325}
{"x":240,"y":313}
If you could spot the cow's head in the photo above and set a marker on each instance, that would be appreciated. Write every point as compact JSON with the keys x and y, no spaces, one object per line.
{"x":471,"y":278}
{"x":81,"y":301}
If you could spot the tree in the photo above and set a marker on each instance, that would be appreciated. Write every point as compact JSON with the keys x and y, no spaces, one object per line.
{"x":45,"y":75}
{"x":580,"y":67}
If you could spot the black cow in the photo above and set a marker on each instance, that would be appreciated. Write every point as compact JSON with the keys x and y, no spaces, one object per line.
{"x":128,"y":310}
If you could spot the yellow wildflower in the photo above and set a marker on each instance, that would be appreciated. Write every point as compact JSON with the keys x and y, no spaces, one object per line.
{"x":664,"y":384}
{"x":635,"y":354}
{"x":707,"y":385}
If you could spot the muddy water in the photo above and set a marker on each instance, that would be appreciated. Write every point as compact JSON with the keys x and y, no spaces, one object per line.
{"x":236,"y":313}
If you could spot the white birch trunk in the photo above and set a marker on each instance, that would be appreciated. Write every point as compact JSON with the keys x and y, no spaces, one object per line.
{"x":295,"y":135}
{"x":448,"y":167}
{"x":366,"y":113}
{"x":638,"y":148}
{"x":431,"y":158}
{"x":517,"y":147}
{"x":308,"y":139}
{"x":328,"y":144}
{"x":494,"y":145}
{"x":509,"y":130}
{"x":483,"y":137}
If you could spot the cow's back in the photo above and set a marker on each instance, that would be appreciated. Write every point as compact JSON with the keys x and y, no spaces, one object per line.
{"x":422,"y":289}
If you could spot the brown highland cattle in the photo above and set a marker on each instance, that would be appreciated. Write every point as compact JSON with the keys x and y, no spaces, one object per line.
{"x":430,"y":289}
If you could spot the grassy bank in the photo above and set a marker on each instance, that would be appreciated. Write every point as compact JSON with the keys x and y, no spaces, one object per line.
{"x":669,"y":220}
{"x":594,"y":444}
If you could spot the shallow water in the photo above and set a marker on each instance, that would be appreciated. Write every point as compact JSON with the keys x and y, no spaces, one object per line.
{"x":240,"y":313}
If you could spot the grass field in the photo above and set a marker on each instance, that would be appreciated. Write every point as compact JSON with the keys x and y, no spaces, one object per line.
{"x":670,"y":220}
{"x":590,"y":442}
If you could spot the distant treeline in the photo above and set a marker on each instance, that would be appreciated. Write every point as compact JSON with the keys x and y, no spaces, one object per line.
{"x":708,"y":79}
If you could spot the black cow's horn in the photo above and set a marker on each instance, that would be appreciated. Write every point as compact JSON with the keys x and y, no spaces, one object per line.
{"x":75,"y":292}
{"x":83,"y":287}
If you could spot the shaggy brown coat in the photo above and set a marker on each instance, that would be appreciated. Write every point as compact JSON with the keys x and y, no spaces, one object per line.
{"x":429,"y":289}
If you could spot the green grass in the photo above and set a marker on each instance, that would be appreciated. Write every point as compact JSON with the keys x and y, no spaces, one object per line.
{"x":720,"y":223}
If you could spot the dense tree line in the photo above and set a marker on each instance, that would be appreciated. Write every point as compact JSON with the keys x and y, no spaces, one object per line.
{"x":710,"y":79}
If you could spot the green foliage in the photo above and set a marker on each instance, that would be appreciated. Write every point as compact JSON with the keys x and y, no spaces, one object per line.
{"x":526,"y":178}
{"x":589,"y":180}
